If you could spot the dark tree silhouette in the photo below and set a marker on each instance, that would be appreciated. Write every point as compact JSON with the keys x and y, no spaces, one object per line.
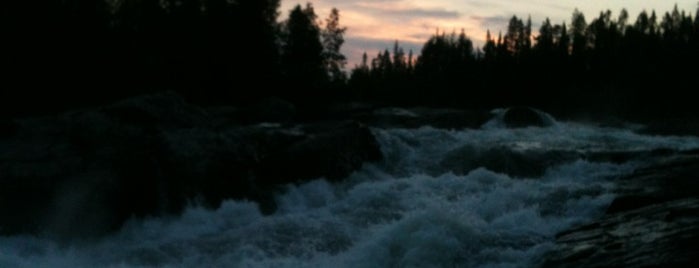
{"x":100,"y":50}
{"x":578,"y":27}
{"x":302,"y":54}
{"x":489,"y":49}
{"x":608,"y":65}
{"x":517,"y":37}
{"x":333,"y":39}
{"x":64,"y":54}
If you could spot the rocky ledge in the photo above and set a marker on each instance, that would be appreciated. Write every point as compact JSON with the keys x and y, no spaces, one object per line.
{"x":84,"y":173}
{"x":654,"y":222}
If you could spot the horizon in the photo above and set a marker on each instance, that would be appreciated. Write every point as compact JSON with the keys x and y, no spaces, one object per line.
{"x":412,"y":22}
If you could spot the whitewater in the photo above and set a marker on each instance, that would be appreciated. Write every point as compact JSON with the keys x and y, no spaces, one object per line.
{"x":408,"y":210}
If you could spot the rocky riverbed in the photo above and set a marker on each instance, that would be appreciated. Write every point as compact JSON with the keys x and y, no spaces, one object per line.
{"x":154,"y":181}
{"x":653,"y":222}
{"x":84,"y":173}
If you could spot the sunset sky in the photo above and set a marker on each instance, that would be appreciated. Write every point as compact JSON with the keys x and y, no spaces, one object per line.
{"x":375,"y":24}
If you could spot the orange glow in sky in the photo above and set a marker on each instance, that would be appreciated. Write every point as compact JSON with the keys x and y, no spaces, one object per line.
{"x":374,"y":25}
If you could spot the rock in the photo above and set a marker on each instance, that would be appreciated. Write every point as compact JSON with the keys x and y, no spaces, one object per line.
{"x":631,"y":202}
{"x":418,"y":117}
{"x":452,"y":118}
{"x":659,"y":235}
{"x":224,"y":116}
{"x":215,"y":166}
{"x":668,"y":178}
{"x":332,"y":154}
{"x":272,"y":110}
{"x":8,"y":128}
{"x":350,"y":110}
{"x":163,"y":110}
{"x":518,"y":117}
{"x":654,"y":222}
{"x":83,"y":174}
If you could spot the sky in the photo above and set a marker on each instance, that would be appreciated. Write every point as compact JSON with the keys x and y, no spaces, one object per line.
{"x":374,"y":25}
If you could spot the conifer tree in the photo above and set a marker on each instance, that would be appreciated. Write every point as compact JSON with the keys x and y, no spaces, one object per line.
{"x":333,"y":39}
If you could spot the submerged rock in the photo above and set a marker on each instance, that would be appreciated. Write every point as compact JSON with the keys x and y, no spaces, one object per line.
{"x":8,"y":128}
{"x":83,"y":174}
{"x":269,"y":110}
{"x":417,"y":117}
{"x":526,"y":163}
{"x":332,"y":154}
{"x":518,"y":117}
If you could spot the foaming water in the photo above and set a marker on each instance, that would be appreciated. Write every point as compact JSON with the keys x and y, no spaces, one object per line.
{"x":389,"y":214}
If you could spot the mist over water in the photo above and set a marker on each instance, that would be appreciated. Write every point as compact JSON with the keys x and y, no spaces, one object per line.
{"x":402,"y":212}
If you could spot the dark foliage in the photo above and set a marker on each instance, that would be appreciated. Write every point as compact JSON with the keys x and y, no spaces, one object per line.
{"x":64,"y":54}
{"x":637,"y":70}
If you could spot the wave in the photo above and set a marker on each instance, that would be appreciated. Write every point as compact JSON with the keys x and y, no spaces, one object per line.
{"x":407,"y":211}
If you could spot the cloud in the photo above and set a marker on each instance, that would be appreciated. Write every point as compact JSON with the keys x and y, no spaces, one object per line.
{"x":422,"y":13}
{"x":374,"y":24}
{"x":492,"y":22}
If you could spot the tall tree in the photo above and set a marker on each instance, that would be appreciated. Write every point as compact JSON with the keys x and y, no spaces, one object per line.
{"x":333,"y":39}
{"x":399,"y":63}
{"x":528,"y":34}
{"x":515,"y":38}
{"x":464,"y":47}
{"x":360,"y":79}
{"x":490,"y":48}
{"x":578,"y":26}
{"x":623,"y":20}
{"x":302,"y":51}
{"x":544,"y":42}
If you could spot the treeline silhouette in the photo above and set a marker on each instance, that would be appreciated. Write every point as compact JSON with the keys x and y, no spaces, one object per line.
{"x":61,"y":54}
{"x":609,"y":65}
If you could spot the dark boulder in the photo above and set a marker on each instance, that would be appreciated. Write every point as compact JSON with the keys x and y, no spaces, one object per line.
{"x":271,"y":110}
{"x":654,"y":222}
{"x":418,"y":117}
{"x":83,"y":174}
{"x":8,"y":128}
{"x":668,"y":178}
{"x":518,"y":117}
{"x":332,"y":154}
{"x":163,"y":110}
{"x":659,"y":235}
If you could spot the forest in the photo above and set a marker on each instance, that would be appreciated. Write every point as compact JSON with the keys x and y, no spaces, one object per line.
{"x":609,"y":65}
{"x":66,"y":54}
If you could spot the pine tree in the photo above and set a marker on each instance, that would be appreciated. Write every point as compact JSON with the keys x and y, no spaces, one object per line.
{"x":622,"y":21}
{"x":333,"y":39}
{"x":302,"y":51}
{"x":544,"y":42}
{"x":515,"y":36}
{"x":528,"y":34}
{"x":464,"y":47}
{"x":577,"y":30}
{"x":399,"y":64}
{"x":490,"y":48}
